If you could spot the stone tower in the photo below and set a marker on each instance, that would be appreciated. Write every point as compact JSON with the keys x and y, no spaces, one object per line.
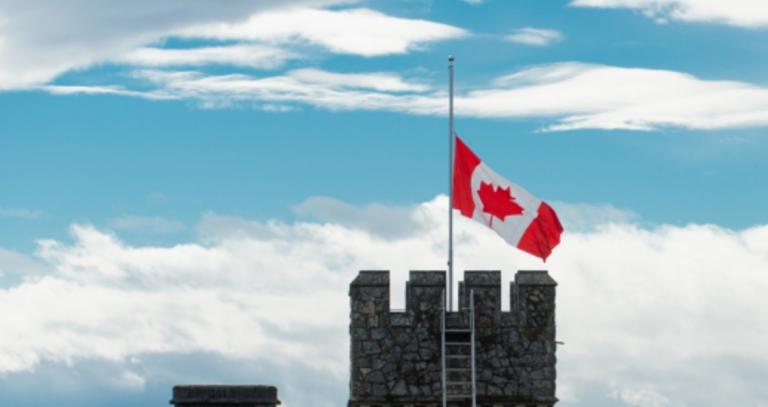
{"x":396,"y":357}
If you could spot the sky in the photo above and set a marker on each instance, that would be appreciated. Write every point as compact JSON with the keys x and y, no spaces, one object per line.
{"x":188,"y":188}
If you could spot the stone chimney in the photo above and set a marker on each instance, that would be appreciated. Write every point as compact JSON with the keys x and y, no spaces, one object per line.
{"x":224,"y":396}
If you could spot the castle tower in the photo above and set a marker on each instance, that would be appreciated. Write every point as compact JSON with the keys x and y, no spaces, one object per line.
{"x":397,"y":357}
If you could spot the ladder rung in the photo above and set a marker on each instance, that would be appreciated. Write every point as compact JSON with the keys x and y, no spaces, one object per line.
{"x":458,"y":345}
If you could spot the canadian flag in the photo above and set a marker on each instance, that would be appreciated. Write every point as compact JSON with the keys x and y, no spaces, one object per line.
{"x":517,"y":216}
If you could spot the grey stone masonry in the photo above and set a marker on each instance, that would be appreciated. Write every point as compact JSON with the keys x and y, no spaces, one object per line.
{"x":224,"y":396}
{"x":395,"y":357}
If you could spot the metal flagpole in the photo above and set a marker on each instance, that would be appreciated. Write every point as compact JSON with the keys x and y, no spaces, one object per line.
{"x":450,"y":183}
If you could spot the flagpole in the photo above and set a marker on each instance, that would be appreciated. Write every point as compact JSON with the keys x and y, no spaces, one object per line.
{"x":450,"y":183}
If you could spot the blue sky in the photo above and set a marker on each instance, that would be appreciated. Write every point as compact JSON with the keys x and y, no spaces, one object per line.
{"x":198,"y":131}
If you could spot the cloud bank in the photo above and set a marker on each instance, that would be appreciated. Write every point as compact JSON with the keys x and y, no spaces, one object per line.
{"x":649,"y":316}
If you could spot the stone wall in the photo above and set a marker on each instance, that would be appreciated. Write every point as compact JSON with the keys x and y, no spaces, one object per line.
{"x":396,"y":356}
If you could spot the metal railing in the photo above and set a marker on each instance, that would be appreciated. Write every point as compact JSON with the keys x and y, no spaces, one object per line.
{"x":472,"y":335}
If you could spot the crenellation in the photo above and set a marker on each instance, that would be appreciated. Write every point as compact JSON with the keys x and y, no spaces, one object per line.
{"x":536,"y":305}
{"x":487,"y":288}
{"x":370,"y":307}
{"x":424,"y":291}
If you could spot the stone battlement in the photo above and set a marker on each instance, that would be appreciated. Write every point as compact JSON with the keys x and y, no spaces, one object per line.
{"x":396,"y":355}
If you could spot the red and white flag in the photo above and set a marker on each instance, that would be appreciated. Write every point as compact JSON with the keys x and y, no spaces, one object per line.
{"x":523,"y":220}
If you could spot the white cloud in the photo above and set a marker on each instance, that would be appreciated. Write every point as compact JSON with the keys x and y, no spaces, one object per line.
{"x":648,"y":315}
{"x":149,"y":224}
{"x":582,"y":217}
{"x":572,"y":95}
{"x":13,"y":263}
{"x":105,"y":90}
{"x":535,"y":36}
{"x":41,"y":40}
{"x":607,"y":97}
{"x":20,"y":213}
{"x":337,"y":91}
{"x":128,"y":380}
{"x":642,"y":397}
{"x":741,"y":13}
{"x":352,"y":31}
{"x":381,"y":81}
{"x":252,"y":56}
{"x":386,"y":220}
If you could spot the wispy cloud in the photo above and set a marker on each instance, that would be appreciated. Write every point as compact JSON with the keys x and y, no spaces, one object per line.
{"x":36,"y":47}
{"x":642,"y":396}
{"x":381,"y":81}
{"x":147,"y":224}
{"x":385,"y":220}
{"x":157,"y":198}
{"x":535,"y":36}
{"x":565,"y":93}
{"x":105,"y":90}
{"x":20,"y":213}
{"x":330,"y":90}
{"x":252,"y":56}
{"x":585,"y":96}
{"x":352,"y":31}
{"x":740,"y":13}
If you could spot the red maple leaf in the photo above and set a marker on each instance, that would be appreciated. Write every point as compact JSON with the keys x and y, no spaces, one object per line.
{"x":499,"y":202}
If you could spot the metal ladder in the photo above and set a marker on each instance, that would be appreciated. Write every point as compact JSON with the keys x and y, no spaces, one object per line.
{"x":458,"y":354}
